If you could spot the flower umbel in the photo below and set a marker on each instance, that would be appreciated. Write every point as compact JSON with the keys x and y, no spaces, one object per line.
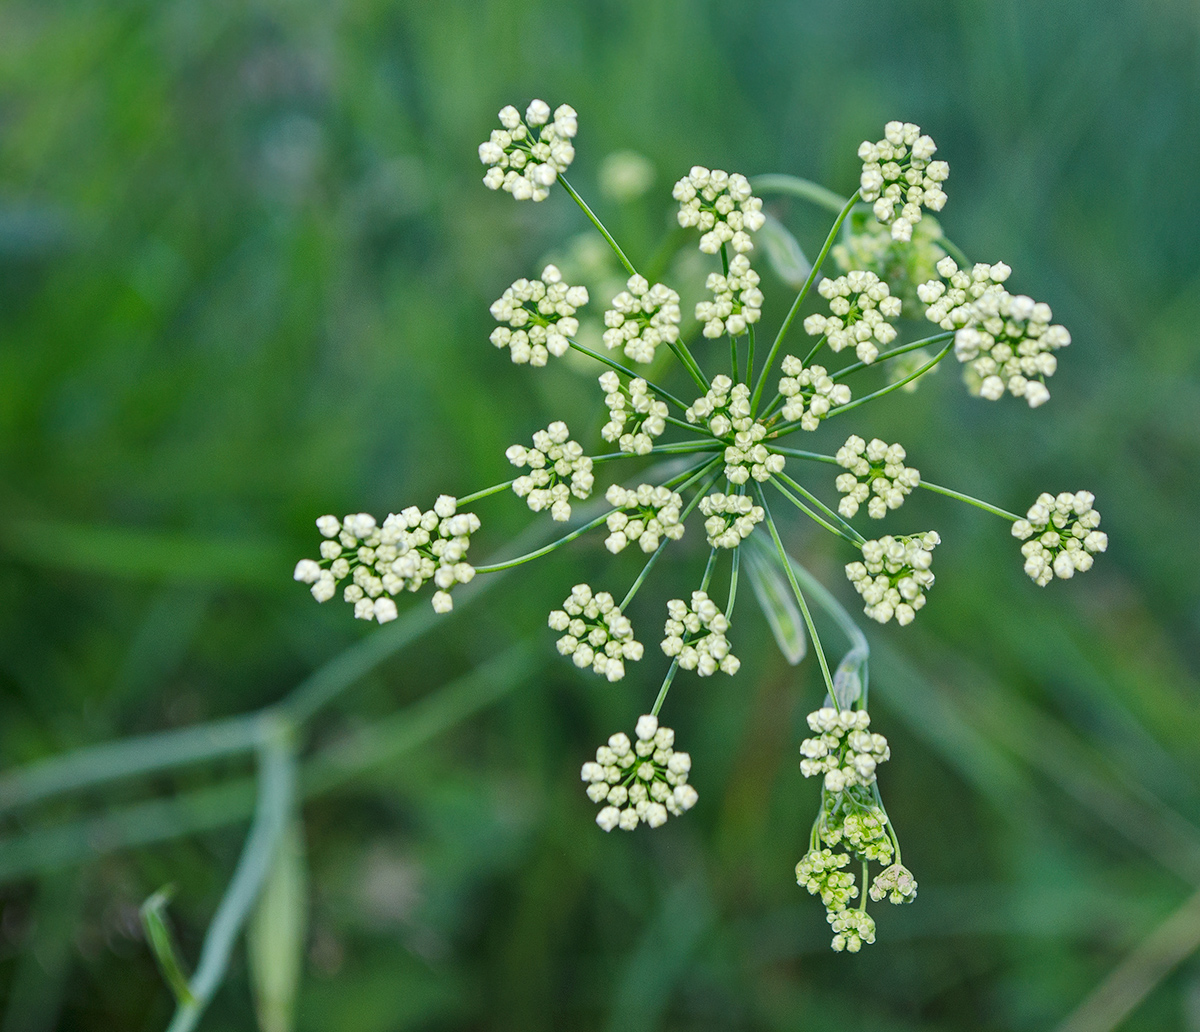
{"x":540,"y":315}
{"x":894,"y":575}
{"x":526,"y":157}
{"x":558,"y":469}
{"x":877,"y":472}
{"x":1060,"y":535}
{"x":596,"y":634}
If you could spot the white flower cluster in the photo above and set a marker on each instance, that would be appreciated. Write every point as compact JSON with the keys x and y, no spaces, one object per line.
{"x":876,"y":471}
{"x":861,"y":304}
{"x":641,"y":318}
{"x":900,"y":178}
{"x":525,"y":158}
{"x":894,"y":575}
{"x":645,"y":516}
{"x":410,"y":548}
{"x":736,"y":302}
{"x":549,"y":305}
{"x":731,"y":519}
{"x":748,"y":457}
{"x":721,"y":206}
{"x":641,"y":781}
{"x":552,"y":460}
{"x":895,"y":882}
{"x":696,"y":634}
{"x":724,"y":407}
{"x":844,"y":751}
{"x":1060,"y":536}
{"x":810,"y":393}
{"x":1006,"y":340}
{"x":635,"y":415}
{"x":596,"y":634}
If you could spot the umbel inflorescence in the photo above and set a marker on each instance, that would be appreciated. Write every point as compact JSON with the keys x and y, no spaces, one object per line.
{"x":706,"y":414}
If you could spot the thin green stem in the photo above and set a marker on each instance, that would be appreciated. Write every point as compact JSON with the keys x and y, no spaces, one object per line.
{"x":537,"y":553}
{"x":672,"y":670}
{"x":605,"y":360}
{"x":812,"y":278}
{"x":815,"y":348}
{"x":797,"y":187}
{"x":937,"y":338}
{"x":733,"y":583}
{"x":978,"y":503}
{"x":835,"y":516}
{"x":796,"y":453}
{"x":791,"y":576}
{"x":750,"y":355}
{"x":675,"y":448}
{"x":853,"y":537}
{"x":496,"y":489}
{"x":955,"y":252}
{"x":893,"y":386}
{"x":681,"y":352}
{"x":599,"y":225}
{"x":693,"y":427}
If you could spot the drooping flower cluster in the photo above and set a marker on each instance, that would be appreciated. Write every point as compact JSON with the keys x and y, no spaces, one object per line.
{"x":641,"y":781}
{"x":645,"y":516}
{"x":641,"y":318}
{"x":811,"y":393}
{"x":635,"y":416}
{"x":1006,"y":341}
{"x":876,"y":472}
{"x":894,"y":575}
{"x":861,"y":304}
{"x":737,"y":301}
{"x":724,"y":407}
{"x":696,"y":634}
{"x":558,"y":469}
{"x":900,"y":178}
{"x":1060,"y":536}
{"x":731,"y":518}
{"x":411,"y":547}
{"x":525,"y":158}
{"x":597,"y":633}
{"x":540,"y":315}
{"x":721,"y":206}
{"x":851,"y":824}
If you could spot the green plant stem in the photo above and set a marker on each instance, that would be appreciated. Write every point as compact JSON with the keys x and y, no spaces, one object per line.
{"x":537,"y":553}
{"x":674,"y":668}
{"x":883,"y":356}
{"x":605,"y":360}
{"x":797,"y":187}
{"x":835,"y":516}
{"x":487,"y":491}
{"x":682,"y":353}
{"x":692,"y":427}
{"x":955,"y":252}
{"x":791,"y":576}
{"x":733,"y":582}
{"x":815,"y":348}
{"x":750,"y":355}
{"x":978,"y":503}
{"x":677,"y":448}
{"x":893,"y":386}
{"x":599,"y":225}
{"x":797,"y":453}
{"x":812,"y":278}
{"x":276,"y":794}
{"x":812,"y":515}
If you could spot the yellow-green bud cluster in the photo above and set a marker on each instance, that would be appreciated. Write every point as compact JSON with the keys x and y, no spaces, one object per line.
{"x":526,"y":157}
{"x":894,"y":575}
{"x":642,"y":782}
{"x":558,"y":469}
{"x":695,"y":634}
{"x":810,"y":392}
{"x":731,"y":519}
{"x":540,"y":316}
{"x":641,"y":318}
{"x":1060,"y":535}
{"x":721,"y":206}
{"x":644,"y":516}
{"x":597,"y":634}
{"x":737,"y":301}
{"x":635,"y":416}
{"x":877,"y":475}
{"x":900,"y":178}
{"x":860,"y":304}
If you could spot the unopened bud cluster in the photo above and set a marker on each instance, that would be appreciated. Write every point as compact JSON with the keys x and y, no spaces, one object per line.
{"x":894,"y":575}
{"x":642,"y":782}
{"x":844,"y":752}
{"x":748,"y":457}
{"x":810,"y":392}
{"x":635,"y":416}
{"x":558,"y":469}
{"x":411,"y":548}
{"x":540,"y":315}
{"x":525,"y":158}
{"x":721,"y":206}
{"x":641,"y":318}
{"x":645,"y":516}
{"x":900,"y":177}
{"x":903,"y":265}
{"x":725,"y":407}
{"x":695,"y":634}
{"x":731,"y":519}
{"x":861,"y":304}
{"x":1005,"y":340}
{"x":1060,"y":536}
{"x":737,"y":301}
{"x":877,"y":475}
{"x":596,"y":634}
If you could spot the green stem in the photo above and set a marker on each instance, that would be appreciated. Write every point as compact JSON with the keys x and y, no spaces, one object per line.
{"x":666,"y":687}
{"x":835,"y":516}
{"x":675,"y":448}
{"x":693,"y":427}
{"x":955,"y":252}
{"x":733,"y":583}
{"x":791,"y":576}
{"x":605,"y":360}
{"x":599,"y":225}
{"x":797,"y":187}
{"x":545,"y":549}
{"x":937,"y":338}
{"x":750,"y":355}
{"x":978,"y":503}
{"x":814,"y":516}
{"x":812,"y":277}
{"x":796,"y":453}
{"x":893,"y":386}
{"x":681,"y":352}
{"x":468,"y":499}
{"x":815,"y":348}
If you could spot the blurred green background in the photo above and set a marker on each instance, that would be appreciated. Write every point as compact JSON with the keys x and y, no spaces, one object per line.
{"x":245,"y":266}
